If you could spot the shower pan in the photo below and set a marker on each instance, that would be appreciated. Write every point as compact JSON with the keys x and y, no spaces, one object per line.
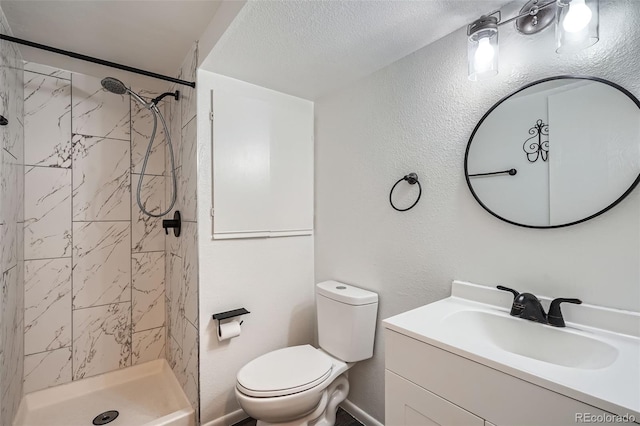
{"x":144,"y":395}
{"x":117,"y":87}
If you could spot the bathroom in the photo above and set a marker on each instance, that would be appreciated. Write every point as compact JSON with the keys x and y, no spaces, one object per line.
{"x":93,"y":288}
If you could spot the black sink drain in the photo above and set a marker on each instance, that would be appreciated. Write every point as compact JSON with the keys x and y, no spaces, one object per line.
{"x":106,"y":417}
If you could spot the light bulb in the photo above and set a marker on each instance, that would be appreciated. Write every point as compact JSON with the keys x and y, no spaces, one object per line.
{"x":483,"y":58}
{"x":578,"y":17}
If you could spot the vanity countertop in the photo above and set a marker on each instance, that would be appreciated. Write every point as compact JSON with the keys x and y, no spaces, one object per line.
{"x":610,"y":382}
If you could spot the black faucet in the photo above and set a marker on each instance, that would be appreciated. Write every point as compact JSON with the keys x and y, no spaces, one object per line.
{"x":527,"y":306}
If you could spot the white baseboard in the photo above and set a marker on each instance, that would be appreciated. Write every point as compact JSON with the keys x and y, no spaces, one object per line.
{"x":228,"y":419}
{"x":354,"y":410}
{"x":359,"y":414}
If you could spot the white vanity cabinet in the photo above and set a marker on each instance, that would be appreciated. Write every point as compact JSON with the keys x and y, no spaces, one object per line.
{"x":426,"y":385}
{"x":262,"y":162}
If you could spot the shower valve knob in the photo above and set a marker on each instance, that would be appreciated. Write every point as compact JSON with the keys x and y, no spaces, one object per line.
{"x":175,"y":223}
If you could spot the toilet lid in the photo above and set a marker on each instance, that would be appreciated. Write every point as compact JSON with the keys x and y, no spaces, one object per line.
{"x":284,"y":372}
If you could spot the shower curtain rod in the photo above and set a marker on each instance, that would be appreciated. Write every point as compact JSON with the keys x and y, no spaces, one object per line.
{"x":96,"y":60}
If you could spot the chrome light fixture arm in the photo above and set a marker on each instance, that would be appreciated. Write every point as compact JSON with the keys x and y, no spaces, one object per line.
{"x":532,"y":11}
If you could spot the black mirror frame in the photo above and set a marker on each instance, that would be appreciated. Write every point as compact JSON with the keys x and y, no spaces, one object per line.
{"x":560,"y":77}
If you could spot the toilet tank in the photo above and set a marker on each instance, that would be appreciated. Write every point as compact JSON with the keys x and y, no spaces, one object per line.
{"x":346,"y":320}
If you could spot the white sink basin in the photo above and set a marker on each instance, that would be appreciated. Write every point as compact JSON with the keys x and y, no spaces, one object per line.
{"x":533,"y":340}
{"x":594,"y":359}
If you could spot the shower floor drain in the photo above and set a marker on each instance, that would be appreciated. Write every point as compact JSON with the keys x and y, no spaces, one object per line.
{"x":106,"y":417}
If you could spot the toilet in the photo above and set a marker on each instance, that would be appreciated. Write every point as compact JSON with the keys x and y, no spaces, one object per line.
{"x":302,"y":385}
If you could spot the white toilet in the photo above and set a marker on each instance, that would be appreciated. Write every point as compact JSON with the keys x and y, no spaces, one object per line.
{"x":302,"y":385}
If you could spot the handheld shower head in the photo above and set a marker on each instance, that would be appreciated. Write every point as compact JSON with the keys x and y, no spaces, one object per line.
{"x":114,"y":85}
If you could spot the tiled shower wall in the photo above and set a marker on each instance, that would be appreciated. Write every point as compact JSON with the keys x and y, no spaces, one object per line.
{"x":11,"y":228}
{"x":182,"y":253}
{"x":94,"y":265}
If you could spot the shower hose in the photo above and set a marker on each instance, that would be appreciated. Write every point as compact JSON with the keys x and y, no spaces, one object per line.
{"x":156,"y":112}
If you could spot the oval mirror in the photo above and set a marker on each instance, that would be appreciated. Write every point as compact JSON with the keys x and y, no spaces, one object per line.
{"x":555,"y":153}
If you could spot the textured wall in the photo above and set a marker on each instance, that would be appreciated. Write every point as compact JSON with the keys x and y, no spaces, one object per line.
{"x":11,"y":227}
{"x":417,"y":115}
{"x":182,"y":252}
{"x":271,"y":277}
{"x":94,"y":268}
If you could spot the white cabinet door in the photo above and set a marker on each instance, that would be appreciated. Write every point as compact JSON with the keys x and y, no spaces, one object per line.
{"x":262,"y":163}
{"x":407,"y":404}
{"x":292,"y":167}
{"x":241,"y":164}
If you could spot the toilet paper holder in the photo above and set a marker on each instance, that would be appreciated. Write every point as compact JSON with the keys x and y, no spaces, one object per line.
{"x":229,"y":314}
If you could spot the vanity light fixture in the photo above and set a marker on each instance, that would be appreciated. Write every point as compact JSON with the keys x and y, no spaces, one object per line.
{"x":577,"y":26}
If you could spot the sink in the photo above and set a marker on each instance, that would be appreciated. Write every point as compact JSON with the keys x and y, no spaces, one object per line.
{"x":562,"y":347}
{"x":594,"y":359}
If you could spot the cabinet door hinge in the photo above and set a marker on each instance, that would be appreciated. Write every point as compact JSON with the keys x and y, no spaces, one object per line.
{"x":211,"y":212}
{"x":211,"y":115}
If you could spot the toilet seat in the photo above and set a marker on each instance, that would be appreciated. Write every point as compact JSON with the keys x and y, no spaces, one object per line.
{"x":284,"y":372}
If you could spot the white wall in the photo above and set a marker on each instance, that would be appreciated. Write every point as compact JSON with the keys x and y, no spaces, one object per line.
{"x":271,"y":277}
{"x":417,"y":115}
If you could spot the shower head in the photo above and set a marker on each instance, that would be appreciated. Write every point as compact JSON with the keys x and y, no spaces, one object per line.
{"x":114,"y":85}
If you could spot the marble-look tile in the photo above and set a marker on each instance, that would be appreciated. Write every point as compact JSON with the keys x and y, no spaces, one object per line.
{"x":174,"y":358}
{"x":101,"y":263}
{"x":141,"y":131}
{"x":9,"y":186}
{"x":11,"y":217}
{"x":8,"y":248}
{"x":147,"y":231}
{"x":167,"y":312}
{"x":47,"y":310}
{"x":14,"y":106}
{"x":174,"y":122}
{"x":190,"y":362}
{"x":11,"y":383}
{"x":11,"y":311}
{"x":47,"y":227}
{"x":12,"y":360}
{"x":188,"y":94}
{"x":148,"y":290}
{"x":13,"y":135}
{"x":101,"y":179}
{"x":97,"y":112}
{"x":101,"y":339}
{"x":47,"y":107}
{"x":172,"y":243}
{"x":47,"y":70}
{"x":47,"y":369}
{"x":148,"y":345}
{"x":188,"y":172}
{"x":176,"y":296}
{"x":190,"y":271}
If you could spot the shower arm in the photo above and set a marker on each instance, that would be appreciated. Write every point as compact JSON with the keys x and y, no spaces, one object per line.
{"x":175,"y":94}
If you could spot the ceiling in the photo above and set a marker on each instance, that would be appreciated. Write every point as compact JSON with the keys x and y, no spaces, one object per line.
{"x":303,"y":47}
{"x":310,"y":48}
{"x":149,"y":34}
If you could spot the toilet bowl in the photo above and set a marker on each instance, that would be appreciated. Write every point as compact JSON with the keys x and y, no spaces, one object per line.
{"x":303,"y":385}
{"x":295,"y":385}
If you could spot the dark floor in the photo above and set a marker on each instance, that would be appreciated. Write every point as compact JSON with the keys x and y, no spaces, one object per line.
{"x":342,"y":419}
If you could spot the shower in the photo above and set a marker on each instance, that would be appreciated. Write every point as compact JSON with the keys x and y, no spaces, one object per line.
{"x":114,"y":85}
